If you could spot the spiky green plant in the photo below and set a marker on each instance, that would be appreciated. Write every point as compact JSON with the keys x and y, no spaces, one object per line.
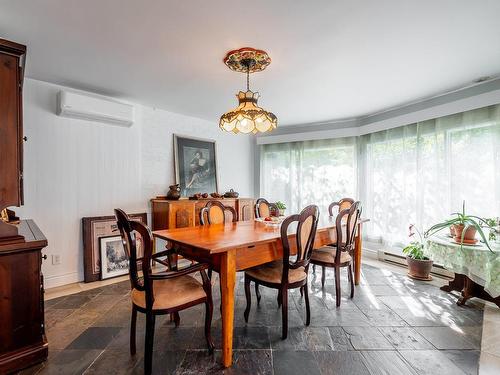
{"x":461,"y":219}
{"x":415,"y":249}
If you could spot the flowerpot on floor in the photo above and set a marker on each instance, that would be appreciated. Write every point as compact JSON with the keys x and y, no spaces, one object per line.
{"x":452,"y":230}
{"x":282,"y":212}
{"x":469,"y":236}
{"x":419,"y":269}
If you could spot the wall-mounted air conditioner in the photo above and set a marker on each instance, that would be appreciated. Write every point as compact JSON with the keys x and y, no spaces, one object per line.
{"x":91,"y":108}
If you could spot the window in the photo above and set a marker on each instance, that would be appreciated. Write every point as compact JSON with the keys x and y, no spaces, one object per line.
{"x":417,"y":174}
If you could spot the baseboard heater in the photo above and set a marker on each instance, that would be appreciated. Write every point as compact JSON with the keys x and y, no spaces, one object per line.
{"x":400,"y":260}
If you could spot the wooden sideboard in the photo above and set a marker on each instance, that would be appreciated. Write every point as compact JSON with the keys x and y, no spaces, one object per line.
{"x":22,"y":331}
{"x":168,"y":214}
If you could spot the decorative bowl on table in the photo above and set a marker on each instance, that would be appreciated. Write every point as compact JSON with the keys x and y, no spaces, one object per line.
{"x":271,"y":220}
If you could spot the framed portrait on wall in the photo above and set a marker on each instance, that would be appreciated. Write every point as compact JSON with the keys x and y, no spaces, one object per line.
{"x":195,"y":162}
{"x":114,"y":260}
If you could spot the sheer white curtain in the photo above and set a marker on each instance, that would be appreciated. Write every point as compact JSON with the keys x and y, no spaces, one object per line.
{"x":421,"y":173}
{"x":416,"y":174}
{"x":302,"y":173}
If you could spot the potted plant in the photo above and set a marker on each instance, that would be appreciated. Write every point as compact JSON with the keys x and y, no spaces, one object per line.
{"x":419,"y":266}
{"x":464,"y":228}
{"x":281,"y":207}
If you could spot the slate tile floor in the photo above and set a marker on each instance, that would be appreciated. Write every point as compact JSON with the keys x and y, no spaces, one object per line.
{"x":394,"y":325}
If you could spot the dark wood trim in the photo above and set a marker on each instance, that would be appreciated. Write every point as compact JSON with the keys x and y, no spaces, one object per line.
{"x":24,"y":357}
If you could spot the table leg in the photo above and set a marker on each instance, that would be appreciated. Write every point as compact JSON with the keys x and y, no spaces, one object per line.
{"x":358,"y":244}
{"x":228,"y":281}
{"x":458,"y":284}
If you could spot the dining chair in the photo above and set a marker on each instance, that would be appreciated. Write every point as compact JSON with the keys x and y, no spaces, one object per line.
{"x":340,"y":205}
{"x":333,"y":209}
{"x":159,"y":293}
{"x":265,"y":209}
{"x":291,"y":271}
{"x":341,"y":253}
{"x":215,"y":212}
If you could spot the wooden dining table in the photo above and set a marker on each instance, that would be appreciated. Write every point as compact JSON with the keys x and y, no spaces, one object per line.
{"x":233,"y":247}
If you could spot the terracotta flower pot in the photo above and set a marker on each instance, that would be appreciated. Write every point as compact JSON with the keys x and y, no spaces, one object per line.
{"x":452,"y":230}
{"x":419,"y":269}
{"x":469,"y":236}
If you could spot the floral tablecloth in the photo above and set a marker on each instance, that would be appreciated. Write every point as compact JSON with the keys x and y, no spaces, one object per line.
{"x":477,"y":262}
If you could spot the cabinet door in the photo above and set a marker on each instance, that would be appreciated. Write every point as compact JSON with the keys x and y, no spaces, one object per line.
{"x":10,"y":160}
{"x":22,"y":318}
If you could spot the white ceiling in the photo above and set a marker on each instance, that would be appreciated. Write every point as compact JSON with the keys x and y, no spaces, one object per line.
{"x":331,"y":59}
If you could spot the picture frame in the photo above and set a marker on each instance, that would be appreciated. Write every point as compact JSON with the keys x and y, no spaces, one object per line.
{"x":93,"y":228}
{"x":113,"y":258}
{"x":195,"y":164}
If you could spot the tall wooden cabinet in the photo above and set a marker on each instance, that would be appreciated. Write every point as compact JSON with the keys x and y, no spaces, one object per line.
{"x":12,"y":57}
{"x":22,"y":330}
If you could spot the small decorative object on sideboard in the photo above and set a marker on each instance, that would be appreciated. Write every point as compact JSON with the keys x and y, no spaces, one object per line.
{"x":464,"y":228}
{"x":419,"y":266}
{"x":231,"y":194}
{"x":216,"y":195}
{"x":174,"y":192}
{"x":281,"y":207}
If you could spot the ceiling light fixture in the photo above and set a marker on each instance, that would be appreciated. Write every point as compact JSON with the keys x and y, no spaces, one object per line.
{"x":248,"y":117}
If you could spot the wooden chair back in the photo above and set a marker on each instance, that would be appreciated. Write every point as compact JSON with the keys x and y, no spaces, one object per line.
{"x":215,"y":212}
{"x":346,"y":225}
{"x":128,"y":230}
{"x":265,"y":209}
{"x":307,"y":223}
{"x":335,"y":207}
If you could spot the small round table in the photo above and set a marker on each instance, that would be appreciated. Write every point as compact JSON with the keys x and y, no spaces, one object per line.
{"x":476,"y":268}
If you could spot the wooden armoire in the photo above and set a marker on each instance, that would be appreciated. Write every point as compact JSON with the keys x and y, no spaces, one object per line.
{"x":22,"y":332}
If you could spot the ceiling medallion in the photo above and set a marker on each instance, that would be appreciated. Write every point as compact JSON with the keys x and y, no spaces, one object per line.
{"x":248,"y":117}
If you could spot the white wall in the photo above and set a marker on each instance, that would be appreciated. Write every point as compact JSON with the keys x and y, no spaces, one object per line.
{"x":76,"y":168}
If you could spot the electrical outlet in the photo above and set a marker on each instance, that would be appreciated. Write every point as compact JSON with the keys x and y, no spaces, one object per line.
{"x":56,"y":259}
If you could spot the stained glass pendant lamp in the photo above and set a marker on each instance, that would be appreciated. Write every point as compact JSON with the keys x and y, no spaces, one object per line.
{"x":248,"y":117}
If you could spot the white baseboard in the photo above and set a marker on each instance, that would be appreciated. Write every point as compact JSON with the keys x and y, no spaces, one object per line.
{"x":60,"y":280}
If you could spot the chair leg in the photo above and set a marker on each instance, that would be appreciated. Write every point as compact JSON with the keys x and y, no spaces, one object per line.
{"x":210,"y":273}
{"x":337,"y":286}
{"x":133,"y":322}
{"x":279,"y":298}
{"x":148,"y":345}
{"x":177,"y":319}
{"x":301,"y":289}
{"x":351,"y":280}
{"x":248,"y":297}
{"x":314,"y":268}
{"x":323,"y":276}
{"x":257,"y":293}
{"x":284,"y":313}
{"x":308,"y":308}
{"x":209,"y":307}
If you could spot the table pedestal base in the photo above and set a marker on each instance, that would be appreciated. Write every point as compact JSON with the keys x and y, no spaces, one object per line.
{"x":468,"y":289}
